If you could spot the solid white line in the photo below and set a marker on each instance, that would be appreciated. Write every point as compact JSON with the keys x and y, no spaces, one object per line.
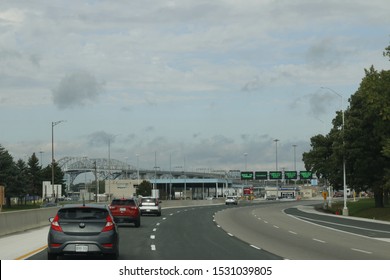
{"x":293,"y":232}
{"x":153,"y":247}
{"x":253,"y":246}
{"x":318,"y":240}
{"x":361,"y":251}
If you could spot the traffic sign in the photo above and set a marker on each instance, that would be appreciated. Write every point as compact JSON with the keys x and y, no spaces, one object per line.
{"x":275,"y":175}
{"x":290,"y":175}
{"x":305,"y":175}
{"x":261,"y":175}
{"x":246,"y":175}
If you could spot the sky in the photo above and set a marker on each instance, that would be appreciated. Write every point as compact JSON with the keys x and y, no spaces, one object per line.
{"x":189,"y":84}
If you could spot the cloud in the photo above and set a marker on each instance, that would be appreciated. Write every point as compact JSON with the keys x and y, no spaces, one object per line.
{"x":77,"y":90}
{"x":100,"y":138}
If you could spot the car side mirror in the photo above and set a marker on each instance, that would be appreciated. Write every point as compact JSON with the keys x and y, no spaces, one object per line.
{"x":51,"y":219}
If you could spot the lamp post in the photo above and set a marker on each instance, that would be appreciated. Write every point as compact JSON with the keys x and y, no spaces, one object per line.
{"x":109,"y":165}
{"x":345,"y":209}
{"x":246,"y":155}
{"x":276,"y":153}
{"x":137,"y":168}
{"x":53,"y":124}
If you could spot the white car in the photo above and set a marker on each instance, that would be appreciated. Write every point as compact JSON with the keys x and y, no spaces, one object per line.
{"x":231,"y":200}
{"x":150,"y":205}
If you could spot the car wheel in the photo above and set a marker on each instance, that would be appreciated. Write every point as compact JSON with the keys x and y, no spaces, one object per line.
{"x":51,"y":256}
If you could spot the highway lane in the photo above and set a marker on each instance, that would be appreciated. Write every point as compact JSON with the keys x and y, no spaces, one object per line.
{"x":188,"y":233}
{"x":273,"y":227}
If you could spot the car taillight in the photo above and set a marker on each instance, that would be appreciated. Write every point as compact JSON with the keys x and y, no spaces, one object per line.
{"x":109,"y":224}
{"x":55,"y":225}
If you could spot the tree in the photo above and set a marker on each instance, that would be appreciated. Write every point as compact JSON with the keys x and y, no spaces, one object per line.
{"x":144,"y":189}
{"x":7,"y":174}
{"x":21,"y":182}
{"x":367,"y":133}
{"x":34,"y":177}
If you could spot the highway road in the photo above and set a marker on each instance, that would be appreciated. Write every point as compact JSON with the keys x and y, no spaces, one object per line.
{"x":290,"y":232}
{"x":251,"y":231}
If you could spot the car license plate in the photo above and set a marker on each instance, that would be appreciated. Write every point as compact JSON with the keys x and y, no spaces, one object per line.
{"x":81,"y":248}
{"x":122,"y":209}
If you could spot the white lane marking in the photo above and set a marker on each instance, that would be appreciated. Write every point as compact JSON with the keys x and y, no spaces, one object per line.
{"x":153,"y":247}
{"x":152,"y":237}
{"x":253,"y":246}
{"x":276,"y":226}
{"x":293,"y":232}
{"x":259,"y":218}
{"x":361,"y":251}
{"x":319,"y":240}
{"x":154,"y":229}
{"x":230,"y":234}
{"x":266,"y":222}
{"x":218,"y":226}
{"x":164,"y":218}
{"x":171,"y":214}
{"x":157,"y":224}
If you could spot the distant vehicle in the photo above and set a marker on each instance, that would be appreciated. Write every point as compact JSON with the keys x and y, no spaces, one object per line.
{"x":83,"y":230}
{"x":126,"y":210}
{"x":271,"y":197}
{"x":150,"y":205}
{"x":210,"y":198}
{"x":231,"y":200}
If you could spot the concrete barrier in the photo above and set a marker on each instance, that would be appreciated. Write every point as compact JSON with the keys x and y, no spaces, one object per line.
{"x":17,"y":221}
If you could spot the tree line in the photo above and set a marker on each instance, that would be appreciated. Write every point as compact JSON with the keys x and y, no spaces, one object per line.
{"x":22,"y":179}
{"x":363,"y":143}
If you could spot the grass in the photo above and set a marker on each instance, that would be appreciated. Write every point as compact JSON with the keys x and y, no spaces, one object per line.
{"x":364,"y":208}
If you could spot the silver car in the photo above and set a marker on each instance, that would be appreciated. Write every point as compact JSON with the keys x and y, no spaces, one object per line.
{"x":150,"y":205}
{"x":231,"y":200}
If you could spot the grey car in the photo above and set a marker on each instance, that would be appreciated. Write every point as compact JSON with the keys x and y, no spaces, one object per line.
{"x":86,"y":229}
{"x":150,"y":205}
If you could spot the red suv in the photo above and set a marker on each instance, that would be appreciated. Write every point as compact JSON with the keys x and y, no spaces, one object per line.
{"x":125,"y":210}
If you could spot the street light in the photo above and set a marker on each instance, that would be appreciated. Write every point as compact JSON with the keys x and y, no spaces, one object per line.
{"x":109,"y":164}
{"x":276,"y":152}
{"x":345,"y":209}
{"x":295,"y":157}
{"x":53,"y":124}
{"x":246,"y":155}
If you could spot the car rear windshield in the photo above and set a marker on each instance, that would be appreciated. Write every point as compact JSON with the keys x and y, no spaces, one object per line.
{"x":82,"y":213}
{"x":124,"y":202}
{"x":148,"y":200}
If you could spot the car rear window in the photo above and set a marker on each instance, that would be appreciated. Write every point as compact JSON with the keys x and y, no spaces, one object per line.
{"x":148,"y":200}
{"x":82,"y":213}
{"x":124,"y":202}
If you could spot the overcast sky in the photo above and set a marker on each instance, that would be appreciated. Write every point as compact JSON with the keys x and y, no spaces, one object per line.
{"x":205,"y":84}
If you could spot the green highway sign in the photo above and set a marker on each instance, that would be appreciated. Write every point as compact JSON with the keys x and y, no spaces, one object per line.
{"x":261,"y":175}
{"x":275,"y":175}
{"x":290,"y":175}
{"x":246,"y":175}
{"x":305,"y":175}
